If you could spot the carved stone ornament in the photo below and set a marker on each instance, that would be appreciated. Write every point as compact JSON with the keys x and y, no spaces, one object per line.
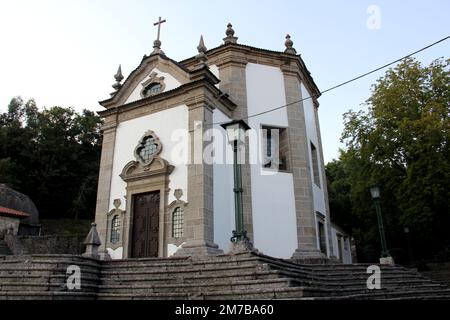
{"x":153,"y":80}
{"x":148,"y":148}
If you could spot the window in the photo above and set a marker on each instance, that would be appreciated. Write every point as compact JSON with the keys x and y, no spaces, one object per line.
{"x":151,"y":89}
{"x":275,"y":148}
{"x":149,"y":150}
{"x":115,"y":229}
{"x":315,"y":165}
{"x":177,"y":223}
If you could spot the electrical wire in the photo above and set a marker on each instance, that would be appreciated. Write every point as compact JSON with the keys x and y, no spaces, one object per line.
{"x":340,"y":84}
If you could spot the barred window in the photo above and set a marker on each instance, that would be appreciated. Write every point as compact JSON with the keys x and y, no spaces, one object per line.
{"x":177,"y":223}
{"x":115,"y":229}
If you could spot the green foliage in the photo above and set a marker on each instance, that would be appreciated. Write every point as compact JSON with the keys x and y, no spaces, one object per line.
{"x":51,"y":155}
{"x":402,"y":144}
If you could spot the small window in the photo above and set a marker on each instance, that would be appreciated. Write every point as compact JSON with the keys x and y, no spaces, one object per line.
{"x":115,"y":229}
{"x":315,"y":165}
{"x":177,"y":223}
{"x":275,"y":148}
{"x":151,"y":89}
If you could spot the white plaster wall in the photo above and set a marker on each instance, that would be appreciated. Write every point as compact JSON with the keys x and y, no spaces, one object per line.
{"x":311,"y":132}
{"x":224,"y":218}
{"x":164,"y":124}
{"x":115,"y":254}
{"x":172,"y":249}
{"x":346,"y":247}
{"x":312,"y":136}
{"x":215,"y":71}
{"x":169,"y":81}
{"x":273,"y":205}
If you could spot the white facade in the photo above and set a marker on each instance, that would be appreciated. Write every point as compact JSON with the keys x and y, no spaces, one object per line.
{"x":273,"y":207}
{"x":272,"y":202}
{"x":169,"y":81}
{"x":165,"y":124}
{"x":341,"y":246}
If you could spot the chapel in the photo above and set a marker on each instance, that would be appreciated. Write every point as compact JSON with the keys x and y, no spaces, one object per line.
{"x":167,"y":180}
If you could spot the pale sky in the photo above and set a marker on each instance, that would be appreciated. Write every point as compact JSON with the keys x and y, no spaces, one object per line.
{"x":65,"y":53}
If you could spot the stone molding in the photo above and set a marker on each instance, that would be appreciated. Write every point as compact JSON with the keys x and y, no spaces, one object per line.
{"x":153,"y":79}
{"x":233,"y":53}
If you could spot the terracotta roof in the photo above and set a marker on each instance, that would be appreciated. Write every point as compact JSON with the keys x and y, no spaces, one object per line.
{"x":12,"y":212}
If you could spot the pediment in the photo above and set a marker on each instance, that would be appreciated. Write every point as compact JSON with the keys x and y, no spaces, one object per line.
{"x":153,"y":71}
{"x":134,"y":170}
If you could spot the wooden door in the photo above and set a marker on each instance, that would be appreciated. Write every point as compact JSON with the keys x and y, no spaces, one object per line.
{"x":145,"y":225}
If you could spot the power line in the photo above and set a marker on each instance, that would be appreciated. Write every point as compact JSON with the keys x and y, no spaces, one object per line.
{"x":342,"y":83}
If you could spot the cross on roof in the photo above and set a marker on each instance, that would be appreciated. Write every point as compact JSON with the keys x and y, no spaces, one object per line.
{"x":158,"y":23}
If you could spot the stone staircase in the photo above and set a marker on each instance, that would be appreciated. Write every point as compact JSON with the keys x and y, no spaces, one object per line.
{"x":242,"y":276}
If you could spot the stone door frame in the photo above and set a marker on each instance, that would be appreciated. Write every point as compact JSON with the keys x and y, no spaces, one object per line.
{"x":144,"y":179}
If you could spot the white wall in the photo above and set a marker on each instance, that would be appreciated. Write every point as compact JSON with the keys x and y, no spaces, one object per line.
{"x":163,"y":123}
{"x":273,"y":205}
{"x":169,"y":81}
{"x":215,"y":71}
{"x":224,"y":217}
{"x":312,"y":136}
{"x":346,"y":246}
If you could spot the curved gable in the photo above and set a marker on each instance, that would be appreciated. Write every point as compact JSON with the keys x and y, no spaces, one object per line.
{"x":167,"y":72}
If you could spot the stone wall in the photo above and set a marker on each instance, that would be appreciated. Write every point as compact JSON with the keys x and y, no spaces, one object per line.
{"x":53,"y":244}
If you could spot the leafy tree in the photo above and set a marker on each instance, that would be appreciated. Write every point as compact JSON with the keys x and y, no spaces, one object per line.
{"x":51,"y":155}
{"x":402,"y":144}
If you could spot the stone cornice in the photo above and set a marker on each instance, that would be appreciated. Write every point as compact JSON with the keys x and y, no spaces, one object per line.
{"x":201,"y":92}
{"x":240,"y":55}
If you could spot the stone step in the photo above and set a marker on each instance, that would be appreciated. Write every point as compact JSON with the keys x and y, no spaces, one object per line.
{"x":43,"y":287}
{"x":51,"y":278}
{"x":43,"y":272}
{"x":26,"y":295}
{"x":396,"y":295}
{"x":143,"y":296}
{"x":189,"y":278}
{"x":198,"y":270}
{"x":192,"y":288}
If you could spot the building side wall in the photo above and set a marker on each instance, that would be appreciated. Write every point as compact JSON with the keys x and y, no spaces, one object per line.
{"x":273,"y":206}
{"x":313,"y":137}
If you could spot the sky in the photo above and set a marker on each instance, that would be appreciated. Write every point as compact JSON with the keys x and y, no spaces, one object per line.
{"x":65,"y":52}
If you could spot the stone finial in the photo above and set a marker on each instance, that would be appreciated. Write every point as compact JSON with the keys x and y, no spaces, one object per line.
{"x":289,"y":43}
{"x":92,"y":243}
{"x":201,"y":56}
{"x":157,"y":47}
{"x":119,"y":77}
{"x":230,"y":38}
{"x":201,"y":46}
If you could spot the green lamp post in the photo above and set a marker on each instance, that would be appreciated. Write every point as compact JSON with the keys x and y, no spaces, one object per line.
{"x":375,"y":193}
{"x":236,"y":137}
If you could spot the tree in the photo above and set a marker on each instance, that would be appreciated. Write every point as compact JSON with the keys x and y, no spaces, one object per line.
{"x":401,"y":143}
{"x":51,"y":155}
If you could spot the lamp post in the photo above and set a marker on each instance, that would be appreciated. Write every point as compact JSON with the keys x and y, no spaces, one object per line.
{"x":236,"y":136}
{"x":385,"y":256}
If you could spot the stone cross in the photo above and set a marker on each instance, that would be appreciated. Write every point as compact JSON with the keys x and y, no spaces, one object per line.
{"x":158,"y":23}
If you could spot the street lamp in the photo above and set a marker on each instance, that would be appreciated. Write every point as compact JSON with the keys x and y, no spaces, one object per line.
{"x":385,"y":256}
{"x":236,"y":136}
